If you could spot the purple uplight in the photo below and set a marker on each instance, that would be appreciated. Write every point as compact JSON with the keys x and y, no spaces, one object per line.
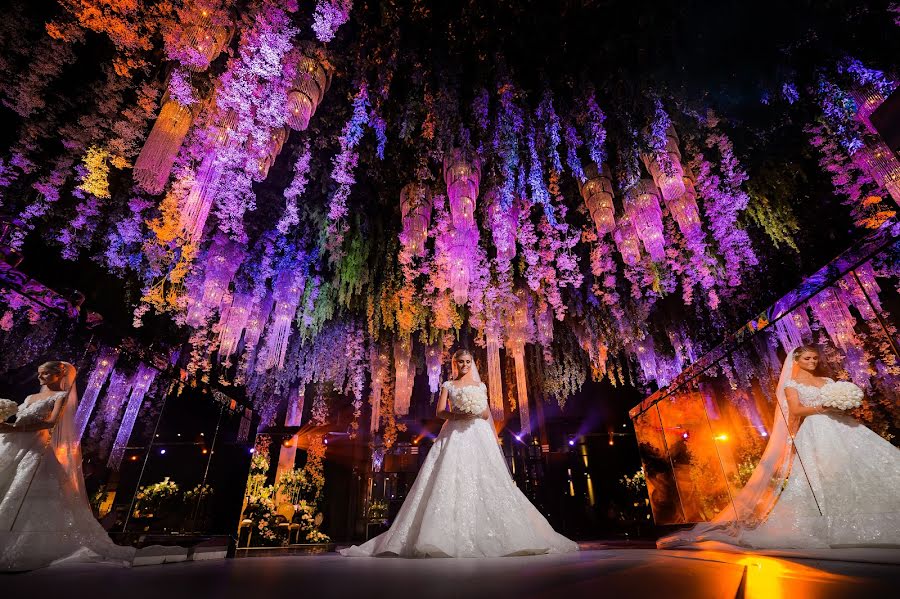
{"x":571,"y":441}
{"x":162,"y":452}
{"x":252,"y":450}
{"x":518,"y":437}
{"x":764,"y":434}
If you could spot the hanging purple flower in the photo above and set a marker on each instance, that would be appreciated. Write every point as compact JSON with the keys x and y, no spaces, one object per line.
{"x":379,"y":125}
{"x":510,"y":124}
{"x":293,"y":192}
{"x":180,"y":88}
{"x":329,"y":16}
{"x":539,"y":192}
{"x":657,"y":139}
{"x":573,"y":142}
{"x":546,"y":115}
{"x":595,"y":131}
{"x":789,"y":92}
{"x":344,"y":164}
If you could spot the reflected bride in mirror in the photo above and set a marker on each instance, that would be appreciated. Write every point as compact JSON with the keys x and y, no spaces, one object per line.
{"x":824,"y":479}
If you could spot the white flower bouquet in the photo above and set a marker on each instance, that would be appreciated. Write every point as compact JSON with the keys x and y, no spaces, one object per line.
{"x":841,"y":395}
{"x":7,"y":408}
{"x":470,"y":402}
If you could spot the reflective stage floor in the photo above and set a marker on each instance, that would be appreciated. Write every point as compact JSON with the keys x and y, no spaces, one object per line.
{"x":596,"y":571}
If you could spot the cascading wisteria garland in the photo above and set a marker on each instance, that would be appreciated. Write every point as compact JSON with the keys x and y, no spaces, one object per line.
{"x":344,"y":164}
{"x":329,"y":16}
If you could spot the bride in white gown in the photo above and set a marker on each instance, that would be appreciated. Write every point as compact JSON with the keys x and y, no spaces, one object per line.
{"x":464,"y":503}
{"x":834,"y":484}
{"x":45,"y":518}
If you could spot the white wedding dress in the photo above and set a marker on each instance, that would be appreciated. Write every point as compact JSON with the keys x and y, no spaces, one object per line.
{"x":852,"y":497}
{"x":843,"y":491}
{"x":464,"y":503}
{"x":45,"y":518}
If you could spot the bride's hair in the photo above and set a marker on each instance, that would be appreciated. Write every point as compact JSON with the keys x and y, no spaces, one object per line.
{"x":802,"y":349}
{"x":63,"y":369}
{"x":462,"y":352}
{"x":454,"y":370}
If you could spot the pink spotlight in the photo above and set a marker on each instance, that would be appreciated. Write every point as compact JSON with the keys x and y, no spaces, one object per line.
{"x":684,"y":435}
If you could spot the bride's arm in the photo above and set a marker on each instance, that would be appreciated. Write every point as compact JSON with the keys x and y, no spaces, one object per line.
{"x":43,"y":424}
{"x":443,"y":412}
{"x":798,"y":409}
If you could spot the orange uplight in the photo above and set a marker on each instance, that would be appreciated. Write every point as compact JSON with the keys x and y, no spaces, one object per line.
{"x":205,"y":451}
{"x":721,"y":437}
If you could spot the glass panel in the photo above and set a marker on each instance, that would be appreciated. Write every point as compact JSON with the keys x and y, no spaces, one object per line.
{"x":664,"y":500}
{"x":695,"y":460}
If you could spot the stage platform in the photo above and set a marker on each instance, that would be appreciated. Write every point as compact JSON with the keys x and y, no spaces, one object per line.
{"x":599,"y":570}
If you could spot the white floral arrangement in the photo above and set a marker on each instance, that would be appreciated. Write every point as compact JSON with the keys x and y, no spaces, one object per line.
{"x":468,"y":402}
{"x":841,"y":395}
{"x":8,"y":408}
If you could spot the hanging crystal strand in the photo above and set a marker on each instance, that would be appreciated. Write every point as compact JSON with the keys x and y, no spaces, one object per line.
{"x":462,"y":177}
{"x":831,"y":312}
{"x":460,"y":259}
{"x":627,"y":241}
{"x":233,"y":322}
{"x":597,"y":192}
{"x":645,"y":352}
{"x":666,"y":170}
{"x":415,"y":209}
{"x":433,"y":364}
{"x":642,"y":207}
{"x":378,"y":364}
{"x":103,"y":367}
{"x":867,"y":100}
{"x":502,"y":225}
{"x":197,"y":203}
{"x":201,"y":32}
{"x":877,"y":159}
{"x":311,"y":78}
{"x":866,"y":275}
{"x":684,"y":208}
{"x":259,"y":317}
{"x":219,"y":268}
{"x":154,"y":164}
{"x":270,"y":152}
{"x":788,"y":332}
{"x":288,"y":291}
{"x":495,"y":385}
{"x":143,"y":378}
{"x":403,"y":376}
{"x":516,"y":333}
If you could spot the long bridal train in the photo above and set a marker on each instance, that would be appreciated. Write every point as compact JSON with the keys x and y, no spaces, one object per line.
{"x":45,"y":517}
{"x":851,"y":499}
{"x":464,"y":503}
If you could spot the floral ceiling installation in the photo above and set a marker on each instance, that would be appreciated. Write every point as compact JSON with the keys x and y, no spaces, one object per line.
{"x":312,"y":195}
